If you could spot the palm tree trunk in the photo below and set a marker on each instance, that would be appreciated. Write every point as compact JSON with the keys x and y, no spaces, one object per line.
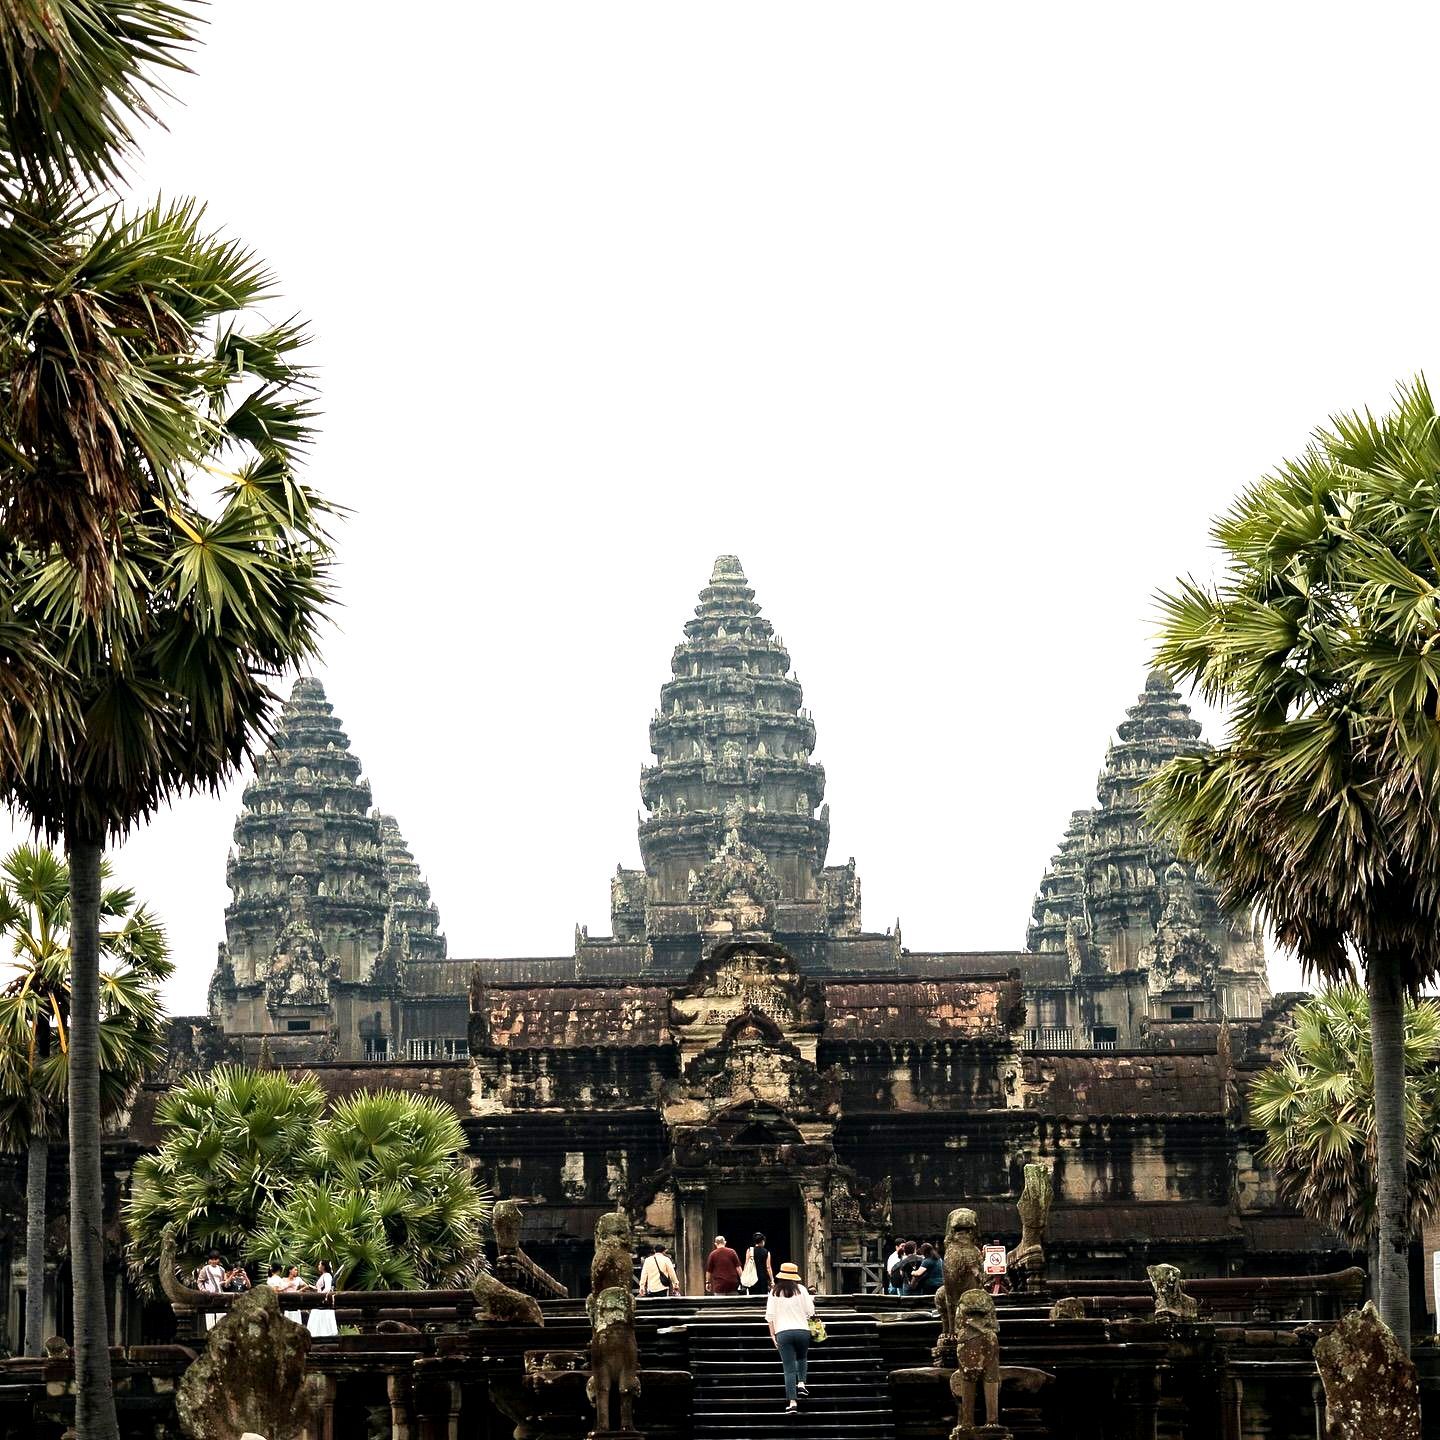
{"x":37,"y":1165}
{"x":1387,"y":1044}
{"x":95,"y":1416}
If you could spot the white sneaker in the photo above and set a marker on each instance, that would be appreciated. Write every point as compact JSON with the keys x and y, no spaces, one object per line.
{"x":792,"y":1408}
{"x":803,"y":1389}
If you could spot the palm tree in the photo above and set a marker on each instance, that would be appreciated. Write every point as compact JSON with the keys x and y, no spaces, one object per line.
{"x":1322,"y":808}
{"x":1316,"y":1105}
{"x":235,"y":1143}
{"x":35,"y":1021}
{"x":170,"y":684}
{"x":251,"y":1163}
{"x":131,"y":363}
{"x":388,"y":1200}
{"x":76,"y":76}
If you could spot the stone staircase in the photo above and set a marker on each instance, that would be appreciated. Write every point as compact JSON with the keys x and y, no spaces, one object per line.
{"x":740,"y":1390}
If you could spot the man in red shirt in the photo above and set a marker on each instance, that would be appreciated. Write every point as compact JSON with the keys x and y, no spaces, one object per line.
{"x":722,"y":1269}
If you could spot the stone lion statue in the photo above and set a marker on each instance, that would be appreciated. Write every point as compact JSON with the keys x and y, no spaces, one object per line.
{"x":499,"y":1304}
{"x":614,"y":1263}
{"x":977,"y":1361}
{"x":963,"y":1263}
{"x":1171,"y":1301}
{"x":614,"y":1356}
{"x":1034,"y":1208}
{"x":505,"y":1222}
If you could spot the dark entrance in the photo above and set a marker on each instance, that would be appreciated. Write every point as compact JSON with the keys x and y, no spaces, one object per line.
{"x":738,"y":1223}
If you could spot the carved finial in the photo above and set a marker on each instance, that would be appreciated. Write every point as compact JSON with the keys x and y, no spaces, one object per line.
{"x":727,"y":568}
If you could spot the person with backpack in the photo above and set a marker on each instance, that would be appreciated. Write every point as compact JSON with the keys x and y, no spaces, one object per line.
{"x":757,"y":1270}
{"x":789,"y":1311}
{"x":657,"y":1275}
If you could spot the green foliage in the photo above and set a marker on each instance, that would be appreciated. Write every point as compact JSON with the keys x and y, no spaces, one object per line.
{"x":252,"y":1164}
{"x":1320,"y":639}
{"x":35,"y":1002}
{"x":77,"y":73}
{"x":1316,"y":1104}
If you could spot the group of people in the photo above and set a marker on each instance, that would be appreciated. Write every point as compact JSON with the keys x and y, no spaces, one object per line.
{"x":215,"y":1279}
{"x":918,"y":1268}
{"x":725,"y":1272}
{"x":789,"y":1306}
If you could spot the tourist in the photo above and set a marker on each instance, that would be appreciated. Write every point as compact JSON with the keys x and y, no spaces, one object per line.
{"x":322,"y":1317}
{"x":293,"y":1282}
{"x":909,"y":1261}
{"x":210,"y":1278}
{"x":275,"y":1280}
{"x":722,"y":1269}
{"x":758,"y":1272}
{"x":892,"y":1281}
{"x":788,"y":1312}
{"x":657,"y":1275}
{"x":237,"y":1281}
{"x":928,"y":1276}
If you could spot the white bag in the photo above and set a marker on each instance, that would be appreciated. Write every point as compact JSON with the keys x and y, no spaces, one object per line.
{"x":749,"y":1276}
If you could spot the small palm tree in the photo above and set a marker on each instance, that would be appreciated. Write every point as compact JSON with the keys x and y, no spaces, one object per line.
{"x":1316,"y":1105}
{"x":235,"y":1144}
{"x":1322,"y":809}
{"x":389,"y":1199}
{"x":35,"y":1023}
{"x":252,"y":1163}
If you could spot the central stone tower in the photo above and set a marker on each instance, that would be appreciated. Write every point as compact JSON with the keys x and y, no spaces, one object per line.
{"x":736,"y":830}
{"x":730,"y":739}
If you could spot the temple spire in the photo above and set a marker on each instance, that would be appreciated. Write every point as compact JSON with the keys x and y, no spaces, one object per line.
{"x":732,"y":750}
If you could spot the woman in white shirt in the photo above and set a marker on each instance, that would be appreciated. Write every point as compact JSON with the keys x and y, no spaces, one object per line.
{"x":657,"y":1275}
{"x":322,"y":1317}
{"x":788,"y":1311}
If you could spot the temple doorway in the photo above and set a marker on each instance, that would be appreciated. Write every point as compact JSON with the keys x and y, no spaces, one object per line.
{"x":739,"y":1222}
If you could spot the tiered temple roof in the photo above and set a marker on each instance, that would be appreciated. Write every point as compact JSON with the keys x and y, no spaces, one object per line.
{"x":1117,"y":898}
{"x":323,"y":888}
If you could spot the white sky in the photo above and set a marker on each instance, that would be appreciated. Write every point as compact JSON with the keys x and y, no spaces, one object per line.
{"x":955,"y":322}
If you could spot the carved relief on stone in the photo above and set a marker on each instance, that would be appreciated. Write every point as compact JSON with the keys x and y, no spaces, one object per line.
{"x":736,"y":892}
{"x":1181,"y":956}
{"x":760,"y":979}
{"x":298,"y":971}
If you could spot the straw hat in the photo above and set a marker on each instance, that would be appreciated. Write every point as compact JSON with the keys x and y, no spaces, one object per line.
{"x":788,"y":1271}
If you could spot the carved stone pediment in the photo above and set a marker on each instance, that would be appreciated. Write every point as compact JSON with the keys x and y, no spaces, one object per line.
{"x":736,"y":893}
{"x":1181,"y":956}
{"x":298,"y":971}
{"x":752,"y":1072}
{"x":754,"y":979}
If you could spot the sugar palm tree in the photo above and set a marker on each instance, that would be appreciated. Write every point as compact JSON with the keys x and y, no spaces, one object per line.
{"x":35,"y":1023}
{"x":130,"y":361}
{"x":1323,"y":806}
{"x":1316,"y":1105}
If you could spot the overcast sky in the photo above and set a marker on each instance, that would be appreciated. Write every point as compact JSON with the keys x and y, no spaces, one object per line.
{"x":955,"y":322}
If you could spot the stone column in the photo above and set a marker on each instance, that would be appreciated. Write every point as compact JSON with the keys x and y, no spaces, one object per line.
{"x":691,"y":1210}
{"x":813,"y":1266}
{"x":397,"y":1387}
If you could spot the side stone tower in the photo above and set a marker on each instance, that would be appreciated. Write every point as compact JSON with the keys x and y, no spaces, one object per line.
{"x":327,"y":904}
{"x":1144,"y":932}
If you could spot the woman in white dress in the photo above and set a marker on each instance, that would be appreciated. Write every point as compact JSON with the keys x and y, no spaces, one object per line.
{"x":322,"y":1317}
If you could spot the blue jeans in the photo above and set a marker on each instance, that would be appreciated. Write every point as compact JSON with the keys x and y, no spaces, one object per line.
{"x":794,"y":1356}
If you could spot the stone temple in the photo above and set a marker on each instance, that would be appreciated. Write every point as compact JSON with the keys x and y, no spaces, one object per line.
{"x":740,"y":1052}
